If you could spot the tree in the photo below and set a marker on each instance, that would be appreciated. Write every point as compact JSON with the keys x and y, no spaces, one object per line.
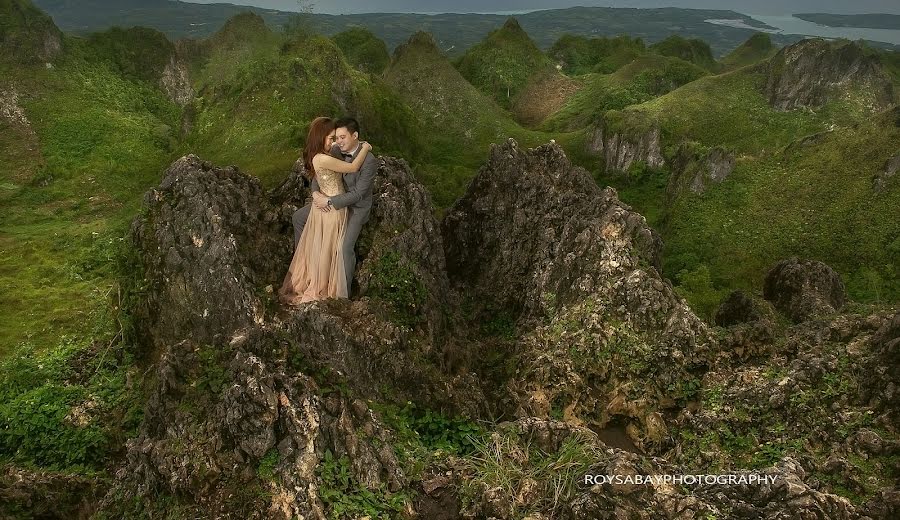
{"x":301,"y":24}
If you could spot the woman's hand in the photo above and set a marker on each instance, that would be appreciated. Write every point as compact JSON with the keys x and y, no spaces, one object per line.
{"x":367,"y":146}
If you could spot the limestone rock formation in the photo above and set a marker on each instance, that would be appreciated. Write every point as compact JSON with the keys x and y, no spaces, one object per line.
{"x":694,"y":170}
{"x":737,"y":307}
{"x":252,"y":407}
{"x":882,"y":386}
{"x":532,"y":228}
{"x":209,"y":241}
{"x":891,"y":167}
{"x":802,"y":289}
{"x":239,"y":384}
{"x":812,"y":72}
{"x":620,"y":148}
{"x":580,"y":269}
{"x":176,"y":82}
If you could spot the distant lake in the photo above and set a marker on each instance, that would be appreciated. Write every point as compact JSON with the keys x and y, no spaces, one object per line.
{"x":788,"y":24}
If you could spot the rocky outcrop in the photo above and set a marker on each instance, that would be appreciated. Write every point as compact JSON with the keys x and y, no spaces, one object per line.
{"x":695,"y":169}
{"x":584,"y":283}
{"x":175,"y":81}
{"x":405,"y":227}
{"x":803,"y":289}
{"x":255,"y":411}
{"x":891,"y":167}
{"x":239,"y":384}
{"x":611,"y":483}
{"x":28,"y":493}
{"x":584,"y":242}
{"x":622,"y":147}
{"x":738,"y":307}
{"x":814,"y":71}
{"x":10,"y":109}
{"x":209,"y":242}
{"x":881,"y":387}
{"x":217,"y":414}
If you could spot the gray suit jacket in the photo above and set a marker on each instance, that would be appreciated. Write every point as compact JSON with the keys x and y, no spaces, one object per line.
{"x":358,"y":196}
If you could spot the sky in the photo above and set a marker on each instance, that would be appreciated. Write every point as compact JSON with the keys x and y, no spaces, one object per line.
{"x":761,"y":7}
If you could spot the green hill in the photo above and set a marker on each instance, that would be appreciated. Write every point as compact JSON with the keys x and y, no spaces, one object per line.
{"x":644,"y":78}
{"x":136,"y":53}
{"x":757,"y":48}
{"x":363,"y":50}
{"x":579,"y":55}
{"x":257,"y":96}
{"x":501,"y":65}
{"x":27,"y":34}
{"x":693,"y":50}
{"x":456,"y":121}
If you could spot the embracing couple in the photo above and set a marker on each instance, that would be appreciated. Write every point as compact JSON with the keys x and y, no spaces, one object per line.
{"x":325,"y":231}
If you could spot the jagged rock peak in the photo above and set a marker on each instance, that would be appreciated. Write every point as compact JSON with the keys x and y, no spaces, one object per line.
{"x":811,"y":72}
{"x":531,"y":223}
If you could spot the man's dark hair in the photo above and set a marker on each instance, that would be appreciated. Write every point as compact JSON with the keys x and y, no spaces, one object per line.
{"x":352,"y":125}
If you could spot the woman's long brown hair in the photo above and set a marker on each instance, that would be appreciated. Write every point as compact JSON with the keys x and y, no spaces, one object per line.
{"x":318,"y":129}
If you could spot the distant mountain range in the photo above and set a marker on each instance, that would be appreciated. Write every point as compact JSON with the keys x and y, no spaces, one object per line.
{"x":454,"y":33}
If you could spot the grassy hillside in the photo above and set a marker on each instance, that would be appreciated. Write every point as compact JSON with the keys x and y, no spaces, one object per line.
{"x":757,"y":48}
{"x":258,"y":97}
{"x":501,"y":65}
{"x":644,"y":78}
{"x":814,"y":202}
{"x":363,"y":49}
{"x":579,"y":55}
{"x":692,"y":50}
{"x":457,"y":122}
{"x":93,"y":143}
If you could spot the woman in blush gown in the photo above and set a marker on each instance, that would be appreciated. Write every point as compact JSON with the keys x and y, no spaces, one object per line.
{"x":316,"y":271}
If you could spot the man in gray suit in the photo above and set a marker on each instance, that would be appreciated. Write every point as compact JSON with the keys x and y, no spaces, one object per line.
{"x":357,"y":199}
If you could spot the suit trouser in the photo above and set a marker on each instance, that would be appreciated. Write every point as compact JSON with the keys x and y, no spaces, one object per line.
{"x":355,"y":222}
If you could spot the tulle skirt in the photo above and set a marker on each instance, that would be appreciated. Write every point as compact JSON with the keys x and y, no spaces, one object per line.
{"x":317,"y":268}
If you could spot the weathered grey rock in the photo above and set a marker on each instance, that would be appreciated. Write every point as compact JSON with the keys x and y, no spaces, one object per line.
{"x":31,"y":493}
{"x":402,"y":223}
{"x":881,"y":179}
{"x":534,"y":232}
{"x":535,"y":235}
{"x":694,"y":171}
{"x":175,"y":81}
{"x":802,"y":289}
{"x":216,"y":412}
{"x":209,"y":243}
{"x":784,"y":494}
{"x":812,"y":72}
{"x":737,"y":307}
{"x":620,"y":149}
{"x":881,"y":387}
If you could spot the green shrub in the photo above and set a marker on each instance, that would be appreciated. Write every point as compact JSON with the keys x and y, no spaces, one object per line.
{"x":394,"y":283}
